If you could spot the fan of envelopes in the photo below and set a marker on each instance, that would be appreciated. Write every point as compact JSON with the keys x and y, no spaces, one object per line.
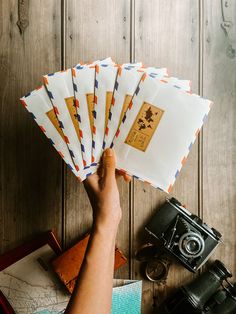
{"x":149,"y":118}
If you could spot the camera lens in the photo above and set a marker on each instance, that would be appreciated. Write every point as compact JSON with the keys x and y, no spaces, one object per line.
{"x":191,"y":244}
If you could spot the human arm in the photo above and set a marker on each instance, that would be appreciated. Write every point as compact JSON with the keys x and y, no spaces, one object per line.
{"x":93,"y":290}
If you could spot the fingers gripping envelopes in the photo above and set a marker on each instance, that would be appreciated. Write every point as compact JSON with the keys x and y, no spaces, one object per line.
{"x":149,"y":118}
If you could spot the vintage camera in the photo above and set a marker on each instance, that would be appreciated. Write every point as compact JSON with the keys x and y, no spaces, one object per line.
{"x":210,"y":293}
{"x":183,"y":234}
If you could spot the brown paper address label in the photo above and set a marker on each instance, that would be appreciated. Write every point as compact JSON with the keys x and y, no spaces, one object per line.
{"x":90,"y":104}
{"x":108,"y":106}
{"x":70,"y":102}
{"x":144,"y":126}
{"x":125,"y":106}
{"x":53,"y":118}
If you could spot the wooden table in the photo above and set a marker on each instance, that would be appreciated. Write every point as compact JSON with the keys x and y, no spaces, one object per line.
{"x":192,"y":39}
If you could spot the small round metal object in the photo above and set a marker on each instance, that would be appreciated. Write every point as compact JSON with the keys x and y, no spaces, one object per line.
{"x":191,"y":244}
{"x":157,"y":270}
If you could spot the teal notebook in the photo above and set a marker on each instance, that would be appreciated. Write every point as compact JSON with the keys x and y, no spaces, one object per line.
{"x":127,"y":297}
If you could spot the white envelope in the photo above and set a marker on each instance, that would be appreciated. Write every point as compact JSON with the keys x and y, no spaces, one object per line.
{"x":126,"y":83}
{"x":60,"y":90}
{"x":181,"y":84}
{"x":104,"y":87}
{"x":83,"y":79}
{"x":125,"y":86}
{"x":163,"y":74}
{"x":158,"y":130}
{"x":39,"y":105}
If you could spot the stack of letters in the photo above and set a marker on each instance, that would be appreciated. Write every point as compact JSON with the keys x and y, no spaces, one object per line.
{"x":149,"y":118}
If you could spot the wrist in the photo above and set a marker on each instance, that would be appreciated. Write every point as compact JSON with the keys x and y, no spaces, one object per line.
{"x":106,"y":225}
{"x":107,"y":216}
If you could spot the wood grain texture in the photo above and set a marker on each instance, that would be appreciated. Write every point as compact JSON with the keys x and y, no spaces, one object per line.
{"x":219,"y":134}
{"x":30,"y":169}
{"x":166,"y":35}
{"x":195,"y":40}
{"x":95,"y":30}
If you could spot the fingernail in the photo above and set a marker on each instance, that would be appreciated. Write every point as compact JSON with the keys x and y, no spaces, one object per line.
{"x":108,"y":152}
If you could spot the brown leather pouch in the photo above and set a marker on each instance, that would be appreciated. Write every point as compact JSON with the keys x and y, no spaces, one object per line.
{"x":68,"y":264}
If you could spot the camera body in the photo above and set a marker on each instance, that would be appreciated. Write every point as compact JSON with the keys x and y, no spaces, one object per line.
{"x":183,"y":234}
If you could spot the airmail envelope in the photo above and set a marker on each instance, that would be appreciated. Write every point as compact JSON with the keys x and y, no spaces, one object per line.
{"x":158,"y":130}
{"x":83,"y":83}
{"x":39,"y":105}
{"x":125,"y":86}
{"x":60,"y":90}
{"x":104,"y":87}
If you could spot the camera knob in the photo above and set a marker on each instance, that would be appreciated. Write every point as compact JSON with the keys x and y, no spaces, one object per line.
{"x":217,"y":233}
{"x":174,"y":201}
{"x":220,"y":270}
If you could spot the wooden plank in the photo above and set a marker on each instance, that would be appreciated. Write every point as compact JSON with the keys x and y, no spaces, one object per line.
{"x":30,"y":168}
{"x":219,"y":136}
{"x":166,"y":35}
{"x":95,"y":30}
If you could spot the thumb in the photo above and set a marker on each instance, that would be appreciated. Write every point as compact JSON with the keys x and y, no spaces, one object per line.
{"x":109,"y":164}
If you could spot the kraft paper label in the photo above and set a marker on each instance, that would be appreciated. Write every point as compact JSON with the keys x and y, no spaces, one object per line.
{"x":144,"y":126}
{"x":125,"y":106}
{"x":70,"y":102}
{"x":90,"y":104}
{"x":53,"y":118}
{"x":108,"y":106}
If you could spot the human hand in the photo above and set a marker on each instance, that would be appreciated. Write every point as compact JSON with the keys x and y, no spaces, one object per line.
{"x":103,"y":192}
